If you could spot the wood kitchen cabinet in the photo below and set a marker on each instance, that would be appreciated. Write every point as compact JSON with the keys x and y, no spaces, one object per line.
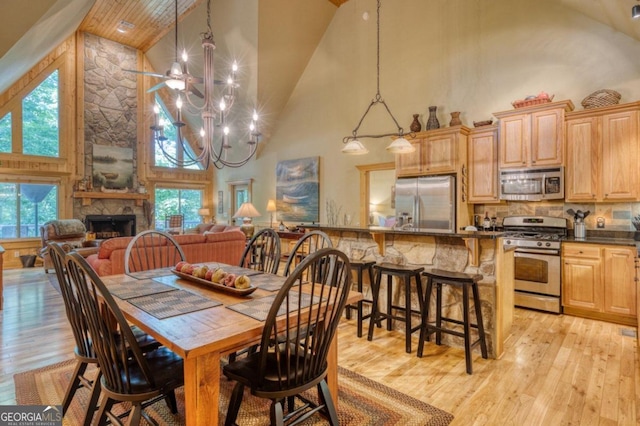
{"x":599,"y":281}
{"x":482,"y":154}
{"x":602,"y":154}
{"x":437,"y":152}
{"x":533,"y":136}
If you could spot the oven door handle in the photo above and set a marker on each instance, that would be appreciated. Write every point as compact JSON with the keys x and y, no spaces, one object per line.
{"x":550,"y":252}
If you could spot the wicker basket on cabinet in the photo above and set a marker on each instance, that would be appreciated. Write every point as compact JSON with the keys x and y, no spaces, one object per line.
{"x":601,"y":98}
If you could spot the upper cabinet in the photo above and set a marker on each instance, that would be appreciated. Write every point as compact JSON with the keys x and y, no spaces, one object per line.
{"x":437,"y":152}
{"x":602,"y":154}
{"x":533,"y":136}
{"x":483,"y":165}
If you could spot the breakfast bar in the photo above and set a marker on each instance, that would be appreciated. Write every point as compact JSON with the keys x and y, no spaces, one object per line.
{"x":464,"y":251}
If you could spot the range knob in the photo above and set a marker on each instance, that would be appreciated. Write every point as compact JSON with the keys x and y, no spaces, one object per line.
{"x":539,"y":244}
{"x":548,"y":244}
{"x":508,"y":242}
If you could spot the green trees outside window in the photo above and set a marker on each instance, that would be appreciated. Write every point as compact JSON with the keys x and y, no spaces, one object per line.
{"x":25,"y":207}
{"x":178,"y":201}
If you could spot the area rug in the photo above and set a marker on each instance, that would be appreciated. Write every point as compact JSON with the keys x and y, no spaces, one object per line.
{"x":362,"y":401}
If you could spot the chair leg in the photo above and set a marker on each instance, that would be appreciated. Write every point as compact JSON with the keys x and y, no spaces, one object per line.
{"x":389,"y":302}
{"x":407,"y":314}
{"x":276,"y":413}
{"x":105,"y":407}
{"x":170,"y":398}
{"x":135,"y":415}
{"x":324,"y":394}
{"x":73,"y":385}
{"x":374,"y":306}
{"x":478,"y":308}
{"x":424,"y":331}
{"x":234,"y":404}
{"x":438,"y":313}
{"x":467,"y":328}
{"x":93,"y":400}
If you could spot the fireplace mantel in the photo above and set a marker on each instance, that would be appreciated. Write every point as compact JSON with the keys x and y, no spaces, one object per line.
{"x":87,"y":196}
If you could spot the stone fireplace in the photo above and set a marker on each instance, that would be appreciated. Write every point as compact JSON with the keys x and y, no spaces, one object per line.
{"x":110,"y":226}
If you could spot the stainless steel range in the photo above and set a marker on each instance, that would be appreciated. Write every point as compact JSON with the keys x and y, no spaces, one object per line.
{"x":537,"y":259}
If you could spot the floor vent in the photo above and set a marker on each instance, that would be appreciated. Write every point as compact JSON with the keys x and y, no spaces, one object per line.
{"x":628,"y":332}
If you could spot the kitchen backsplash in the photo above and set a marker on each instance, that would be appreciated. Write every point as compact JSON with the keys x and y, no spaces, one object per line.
{"x":617,"y":216}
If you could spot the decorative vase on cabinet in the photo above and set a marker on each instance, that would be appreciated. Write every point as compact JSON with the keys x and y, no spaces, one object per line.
{"x":455,"y":119}
{"x":415,"y":124}
{"x":432,"y":122}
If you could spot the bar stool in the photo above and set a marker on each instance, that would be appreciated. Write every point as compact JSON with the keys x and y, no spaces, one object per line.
{"x":404,"y":274}
{"x":359,"y":266}
{"x":460,"y":280}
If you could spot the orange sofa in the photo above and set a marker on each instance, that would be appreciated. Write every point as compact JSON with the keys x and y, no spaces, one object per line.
{"x":225,"y":246}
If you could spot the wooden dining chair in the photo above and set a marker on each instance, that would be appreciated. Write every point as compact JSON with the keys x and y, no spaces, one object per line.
{"x":83,"y":352}
{"x":295,"y":343}
{"x":307,"y":244}
{"x":152,"y":249}
{"x":128,"y":373}
{"x":262,"y":252}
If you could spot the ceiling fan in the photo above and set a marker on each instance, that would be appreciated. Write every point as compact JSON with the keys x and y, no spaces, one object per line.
{"x":177,"y":77}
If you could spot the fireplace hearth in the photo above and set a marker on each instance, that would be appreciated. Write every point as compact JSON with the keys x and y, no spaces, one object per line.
{"x":110,"y":226}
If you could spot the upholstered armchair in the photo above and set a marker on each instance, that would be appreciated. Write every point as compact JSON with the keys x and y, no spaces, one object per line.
{"x":70,"y":233}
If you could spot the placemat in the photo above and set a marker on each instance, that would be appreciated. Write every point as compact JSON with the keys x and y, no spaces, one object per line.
{"x":259,"y":308}
{"x":151,"y":273}
{"x":172,"y":303}
{"x":137,"y":288}
{"x":268,"y":282}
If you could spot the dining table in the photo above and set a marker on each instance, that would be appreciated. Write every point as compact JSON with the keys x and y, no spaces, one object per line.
{"x":203,"y":322}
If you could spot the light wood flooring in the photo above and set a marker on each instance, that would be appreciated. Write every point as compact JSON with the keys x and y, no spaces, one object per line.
{"x":557,"y":369}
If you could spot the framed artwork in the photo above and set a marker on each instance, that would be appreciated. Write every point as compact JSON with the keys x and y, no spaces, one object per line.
{"x":297,"y":189}
{"x":112,"y":167}
{"x":220,"y":202}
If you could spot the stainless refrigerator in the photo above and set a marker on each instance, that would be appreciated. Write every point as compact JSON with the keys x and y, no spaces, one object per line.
{"x":429,"y":201}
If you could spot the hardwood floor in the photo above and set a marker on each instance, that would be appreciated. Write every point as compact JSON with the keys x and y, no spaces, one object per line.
{"x":557,"y":369}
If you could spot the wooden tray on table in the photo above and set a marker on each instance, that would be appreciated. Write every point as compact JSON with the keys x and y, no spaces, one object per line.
{"x":216,"y":286}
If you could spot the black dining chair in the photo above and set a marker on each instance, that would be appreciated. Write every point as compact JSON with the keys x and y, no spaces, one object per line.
{"x":262,"y":252}
{"x":307,"y":244}
{"x":152,"y":250}
{"x":295,"y":343}
{"x":83,"y":352}
{"x":128,"y":373}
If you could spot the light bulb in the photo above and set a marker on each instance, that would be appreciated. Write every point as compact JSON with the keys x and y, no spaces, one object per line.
{"x":234,"y":67}
{"x":252,"y":126}
{"x":156,"y":109}
{"x":161,"y":122}
{"x":223,"y":105}
{"x":202,"y":132}
{"x":255,"y":115}
{"x":179,"y":103}
{"x":226,"y":130}
{"x":184,"y":55}
{"x":229,"y":80}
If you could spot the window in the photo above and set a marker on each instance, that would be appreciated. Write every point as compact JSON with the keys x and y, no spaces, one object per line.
{"x":25,"y":207}
{"x":5,"y":133}
{"x":40,"y":135}
{"x":170,"y":146}
{"x":178,"y":201}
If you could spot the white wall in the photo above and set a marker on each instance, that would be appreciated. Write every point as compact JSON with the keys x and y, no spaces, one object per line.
{"x":470,"y":56}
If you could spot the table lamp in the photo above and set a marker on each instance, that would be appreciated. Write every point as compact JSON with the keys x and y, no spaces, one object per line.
{"x":271,"y":207}
{"x":205,"y":213}
{"x":246,"y":212}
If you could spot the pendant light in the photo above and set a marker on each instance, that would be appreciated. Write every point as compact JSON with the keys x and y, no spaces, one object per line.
{"x":400,"y":145}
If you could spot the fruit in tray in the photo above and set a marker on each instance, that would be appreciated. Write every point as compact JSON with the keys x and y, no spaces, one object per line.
{"x":243,"y":282}
{"x":215,"y":275}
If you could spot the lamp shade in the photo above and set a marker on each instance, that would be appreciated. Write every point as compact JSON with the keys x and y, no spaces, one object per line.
{"x":354,"y":147}
{"x":204,"y":212}
{"x":271,"y":206}
{"x":401,"y":146}
{"x":247,"y":210}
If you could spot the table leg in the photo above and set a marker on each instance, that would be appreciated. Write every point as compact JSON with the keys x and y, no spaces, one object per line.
{"x":332,"y":370}
{"x":202,"y":389}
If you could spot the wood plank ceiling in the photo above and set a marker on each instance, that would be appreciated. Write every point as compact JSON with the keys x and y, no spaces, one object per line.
{"x":152,"y":19}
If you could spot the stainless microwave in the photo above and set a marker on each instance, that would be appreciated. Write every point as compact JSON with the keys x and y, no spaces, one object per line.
{"x":532,"y":184}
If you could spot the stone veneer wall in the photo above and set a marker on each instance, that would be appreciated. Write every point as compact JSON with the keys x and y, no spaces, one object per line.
{"x":110,"y":116}
{"x":430,"y":252}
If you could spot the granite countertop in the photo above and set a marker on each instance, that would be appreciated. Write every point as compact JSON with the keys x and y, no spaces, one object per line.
{"x":617,"y":238}
{"x":413,"y":231}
